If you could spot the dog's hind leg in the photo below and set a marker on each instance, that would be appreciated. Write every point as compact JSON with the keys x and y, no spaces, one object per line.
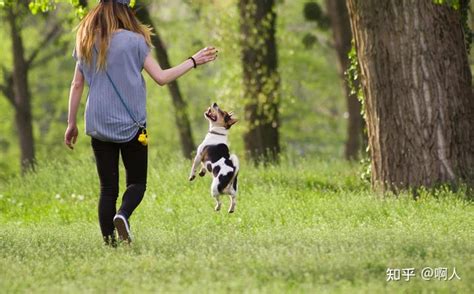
{"x":233,"y":184}
{"x":215,"y":193}
{"x":233,"y":195}
{"x":233,"y":201}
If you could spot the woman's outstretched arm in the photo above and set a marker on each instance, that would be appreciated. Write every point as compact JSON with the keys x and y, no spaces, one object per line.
{"x":163,"y":77}
{"x":77,"y":87}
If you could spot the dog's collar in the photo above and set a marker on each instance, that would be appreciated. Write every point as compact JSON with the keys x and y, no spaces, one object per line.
{"x":216,"y":133}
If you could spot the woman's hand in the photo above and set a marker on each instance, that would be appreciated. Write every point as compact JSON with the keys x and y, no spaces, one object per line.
{"x":70,"y":136}
{"x":205,"y":55}
{"x":77,"y":86}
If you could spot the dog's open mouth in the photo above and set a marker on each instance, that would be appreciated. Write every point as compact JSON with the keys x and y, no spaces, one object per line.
{"x":211,"y":115}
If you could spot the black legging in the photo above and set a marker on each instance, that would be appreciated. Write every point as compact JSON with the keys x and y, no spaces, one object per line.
{"x":135,"y":158}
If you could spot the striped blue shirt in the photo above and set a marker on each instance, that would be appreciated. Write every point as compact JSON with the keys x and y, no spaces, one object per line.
{"x":106,"y":118}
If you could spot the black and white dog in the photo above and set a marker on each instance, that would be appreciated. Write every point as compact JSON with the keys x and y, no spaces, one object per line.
{"x":214,"y":156}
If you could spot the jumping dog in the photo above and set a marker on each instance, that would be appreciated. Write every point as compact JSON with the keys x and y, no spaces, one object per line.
{"x":214,"y":156}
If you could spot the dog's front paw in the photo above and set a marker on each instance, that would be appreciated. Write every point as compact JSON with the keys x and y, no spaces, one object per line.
{"x":192,"y":177}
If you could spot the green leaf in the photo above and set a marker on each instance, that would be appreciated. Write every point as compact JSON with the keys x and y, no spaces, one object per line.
{"x":33,"y":7}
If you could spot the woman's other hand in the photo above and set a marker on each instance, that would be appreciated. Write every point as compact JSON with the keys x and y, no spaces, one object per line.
{"x":205,"y":55}
{"x":70,"y":136}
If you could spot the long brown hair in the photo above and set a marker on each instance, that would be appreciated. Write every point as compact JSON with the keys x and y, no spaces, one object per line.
{"x":100,"y":23}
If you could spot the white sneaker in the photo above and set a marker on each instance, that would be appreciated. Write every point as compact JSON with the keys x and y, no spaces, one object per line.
{"x":123,"y":228}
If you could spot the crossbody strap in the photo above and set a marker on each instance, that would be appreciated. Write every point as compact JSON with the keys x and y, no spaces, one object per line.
{"x":120,"y":97}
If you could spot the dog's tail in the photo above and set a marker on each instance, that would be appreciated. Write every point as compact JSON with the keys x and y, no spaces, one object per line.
{"x":235,"y":161}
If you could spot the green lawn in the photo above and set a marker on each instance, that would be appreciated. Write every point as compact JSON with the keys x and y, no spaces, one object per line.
{"x":307,"y":226}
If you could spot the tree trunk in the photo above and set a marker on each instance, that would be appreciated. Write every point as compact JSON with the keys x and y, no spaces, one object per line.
{"x":341,"y":29}
{"x":417,"y":86}
{"x":261,"y":79}
{"x":181,"y":115}
{"x":21,"y":93}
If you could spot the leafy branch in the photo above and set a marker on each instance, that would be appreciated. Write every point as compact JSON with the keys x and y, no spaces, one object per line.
{"x":48,"y":5}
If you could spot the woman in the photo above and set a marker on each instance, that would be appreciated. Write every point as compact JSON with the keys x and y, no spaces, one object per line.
{"x":112,"y":48}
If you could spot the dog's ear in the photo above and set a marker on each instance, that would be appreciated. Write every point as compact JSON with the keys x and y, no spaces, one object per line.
{"x":231,"y":122}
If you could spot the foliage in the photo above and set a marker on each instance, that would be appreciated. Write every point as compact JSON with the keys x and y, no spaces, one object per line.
{"x":365,"y":165}
{"x":43,"y":6}
{"x":48,"y":5}
{"x":463,"y":7}
{"x":353,"y":80}
{"x":455,"y":4}
{"x":321,"y":131}
{"x":313,"y":12}
{"x":468,"y":33}
{"x":353,"y":77}
{"x":308,"y":226}
{"x":311,"y":109}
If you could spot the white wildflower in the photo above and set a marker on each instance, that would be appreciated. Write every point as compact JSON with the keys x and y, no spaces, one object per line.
{"x":80,"y":197}
{"x":57,"y":196}
{"x":169,"y":210}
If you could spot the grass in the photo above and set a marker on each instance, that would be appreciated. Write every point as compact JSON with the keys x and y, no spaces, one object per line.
{"x":305,"y":226}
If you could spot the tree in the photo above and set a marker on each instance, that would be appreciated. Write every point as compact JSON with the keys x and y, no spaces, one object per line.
{"x":181,"y":115}
{"x":261,"y":79}
{"x":418,"y":89}
{"x":341,"y":29}
{"x":15,"y":86}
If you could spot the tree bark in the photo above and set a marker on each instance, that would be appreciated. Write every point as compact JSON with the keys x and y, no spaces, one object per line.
{"x":418,"y":90}
{"x":261,"y":79}
{"x":23,"y":118}
{"x":341,"y":29}
{"x":181,"y":115}
{"x":7,"y":87}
